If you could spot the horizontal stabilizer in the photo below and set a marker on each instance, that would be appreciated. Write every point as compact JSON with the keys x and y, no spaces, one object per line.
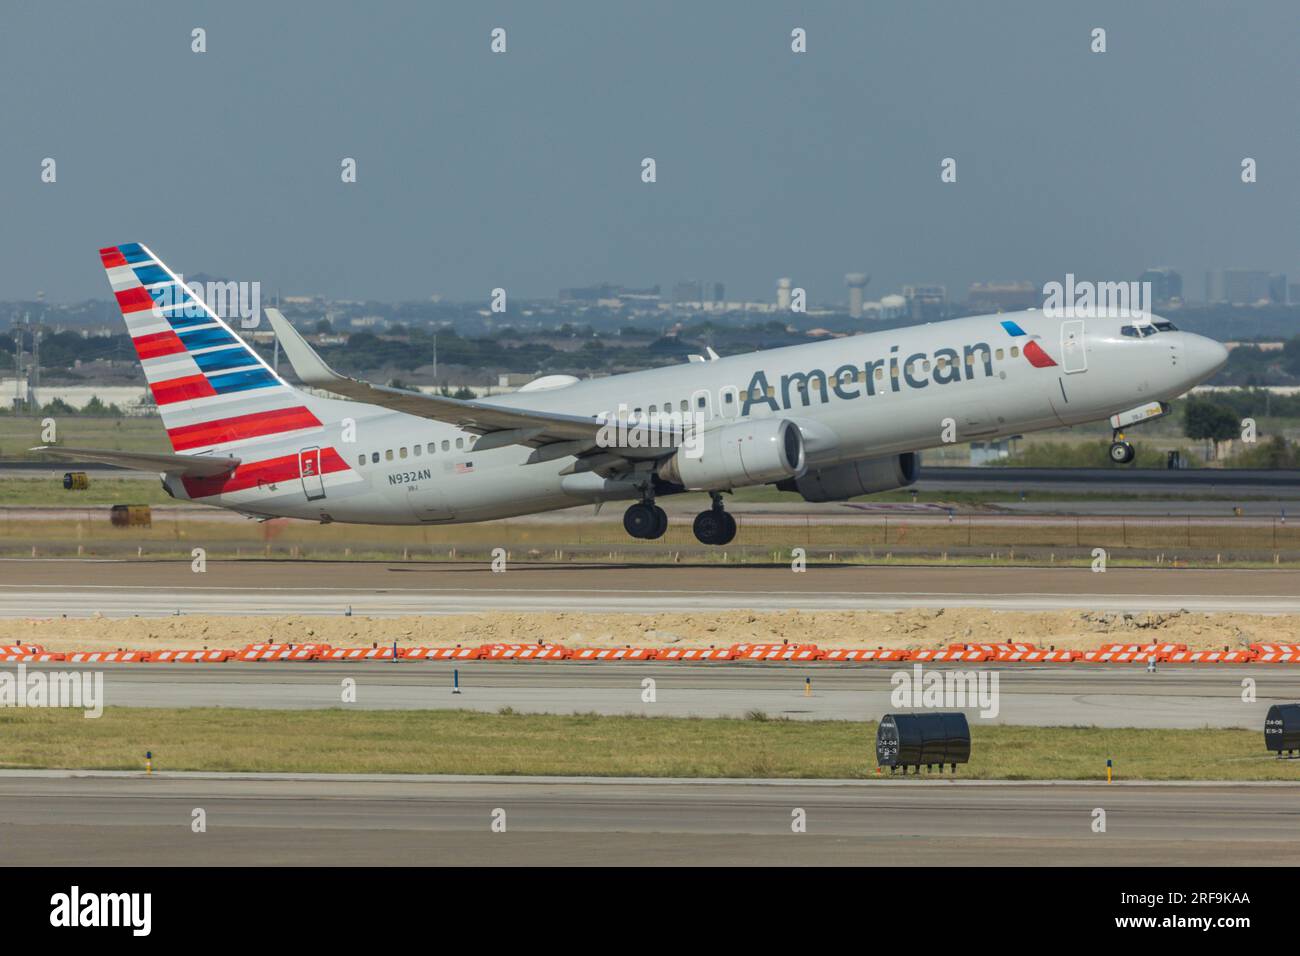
{"x":195,"y":466}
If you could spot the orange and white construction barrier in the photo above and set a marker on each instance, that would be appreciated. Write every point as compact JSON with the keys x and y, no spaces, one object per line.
{"x":107,"y":657}
{"x":694,"y":654}
{"x":803,"y":653}
{"x":862,"y":654}
{"x":189,"y":657}
{"x":357,"y":654}
{"x":614,"y":654}
{"x":964,"y":654}
{"x":442,"y":653}
{"x":284,"y":653}
{"x":1211,"y":657}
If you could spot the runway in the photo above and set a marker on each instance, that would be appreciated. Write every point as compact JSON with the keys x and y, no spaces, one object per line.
{"x":1283,"y":483}
{"x":1190,"y":696}
{"x":79,"y":588}
{"x":103,"y":819}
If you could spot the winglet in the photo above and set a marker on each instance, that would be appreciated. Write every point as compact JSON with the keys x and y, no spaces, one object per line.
{"x":309,"y":366}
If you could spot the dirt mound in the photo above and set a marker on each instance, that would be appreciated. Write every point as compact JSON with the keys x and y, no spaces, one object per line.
{"x":911,"y":629}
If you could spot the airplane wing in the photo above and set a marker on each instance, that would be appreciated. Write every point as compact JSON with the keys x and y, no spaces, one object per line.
{"x":498,"y":425}
{"x":198,"y":466}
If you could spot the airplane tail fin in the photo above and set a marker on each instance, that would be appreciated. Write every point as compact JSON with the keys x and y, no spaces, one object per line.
{"x":213,"y":391}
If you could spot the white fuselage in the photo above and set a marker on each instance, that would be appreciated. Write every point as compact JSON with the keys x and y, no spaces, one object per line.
{"x":885,"y":393}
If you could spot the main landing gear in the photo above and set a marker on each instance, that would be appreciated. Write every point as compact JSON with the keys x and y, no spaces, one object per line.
{"x":645,"y":519}
{"x":1121,"y":452}
{"x":715,"y":526}
{"x":648,"y":521}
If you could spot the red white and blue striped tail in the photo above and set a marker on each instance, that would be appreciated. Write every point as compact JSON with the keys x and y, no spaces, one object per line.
{"x":214,"y":392}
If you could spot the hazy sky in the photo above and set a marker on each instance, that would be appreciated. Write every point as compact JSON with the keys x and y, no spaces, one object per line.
{"x":522,"y":170}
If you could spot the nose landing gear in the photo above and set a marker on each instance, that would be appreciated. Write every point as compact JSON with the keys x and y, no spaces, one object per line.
{"x":1121,"y":452}
{"x":715,"y":526}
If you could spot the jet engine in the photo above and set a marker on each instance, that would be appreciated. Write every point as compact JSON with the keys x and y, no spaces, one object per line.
{"x":743,"y":453}
{"x":854,"y":478}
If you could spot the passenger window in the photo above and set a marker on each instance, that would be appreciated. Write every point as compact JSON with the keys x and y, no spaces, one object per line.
{"x":433,"y":446}
{"x":374,"y":458}
{"x":446,"y":445}
{"x":925,"y":366}
{"x":702,"y":402}
{"x":941,"y":363}
{"x":388,"y":455}
{"x":361,"y":460}
{"x":893,"y":371}
{"x":998,"y":355}
{"x":880,"y":372}
{"x":418,"y":450}
{"x":401,"y":452}
{"x":686,"y":405}
{"x":654,"y":409}
{"x":460,"y":443}
{"x":1015,"y":351}
{"x":970,"y":359}
{"x":730,"y":397}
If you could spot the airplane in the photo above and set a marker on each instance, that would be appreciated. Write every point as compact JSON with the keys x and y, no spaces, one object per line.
{"x":829,"y":420}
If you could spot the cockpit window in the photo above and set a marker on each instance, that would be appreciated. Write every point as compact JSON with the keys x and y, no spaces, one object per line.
{"x":1142,"y":331}
{"x":1165,"y":327}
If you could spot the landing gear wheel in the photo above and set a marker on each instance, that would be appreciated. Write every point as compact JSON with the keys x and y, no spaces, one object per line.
{"x":640,"y":521}
{"x":710,"y":527}
{"x":1121,"y":452}
{"x":715,"y":526}
{"x":661,"y":523}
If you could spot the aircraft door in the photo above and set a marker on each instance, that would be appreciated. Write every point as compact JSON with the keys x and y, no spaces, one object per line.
{"x":313,"y":482}
{"x":1074,"y":357}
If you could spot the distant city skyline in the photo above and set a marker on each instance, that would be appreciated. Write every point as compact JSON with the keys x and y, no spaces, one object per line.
{"x":523,"y":170}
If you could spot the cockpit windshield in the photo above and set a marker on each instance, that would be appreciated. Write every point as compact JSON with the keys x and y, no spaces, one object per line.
{"x":1147,"y":328}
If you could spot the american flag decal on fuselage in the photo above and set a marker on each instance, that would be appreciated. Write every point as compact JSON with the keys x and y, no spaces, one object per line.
{"x":214,"y":393}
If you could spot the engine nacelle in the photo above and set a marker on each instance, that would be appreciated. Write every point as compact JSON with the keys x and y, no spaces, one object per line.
{"x":751,"y":452}
{"x":854,"y":478}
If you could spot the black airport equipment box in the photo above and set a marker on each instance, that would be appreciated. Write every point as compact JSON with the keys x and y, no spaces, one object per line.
{"x":1282,"y":728}
{"x":910,"y":740}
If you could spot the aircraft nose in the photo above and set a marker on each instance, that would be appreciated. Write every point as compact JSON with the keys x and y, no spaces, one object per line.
{"x":1203,"y":356}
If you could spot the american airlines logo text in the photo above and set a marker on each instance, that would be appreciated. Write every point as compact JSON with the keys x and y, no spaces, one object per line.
{"x":74,"y":909}
{"x":917,"y":370}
